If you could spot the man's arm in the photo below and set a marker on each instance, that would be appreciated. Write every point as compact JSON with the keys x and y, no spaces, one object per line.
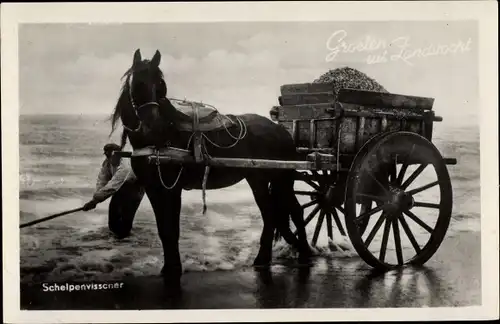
{"x":103,"y":177}
{"x":112,"y":185}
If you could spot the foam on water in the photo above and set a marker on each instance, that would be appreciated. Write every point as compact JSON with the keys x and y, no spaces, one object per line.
{"x":60,"y":158}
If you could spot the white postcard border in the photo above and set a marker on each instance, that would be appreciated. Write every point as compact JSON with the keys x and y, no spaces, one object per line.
{"x":482,"y":11}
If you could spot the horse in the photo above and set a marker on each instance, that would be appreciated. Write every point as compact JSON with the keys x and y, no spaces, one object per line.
{"x":150,"y":119}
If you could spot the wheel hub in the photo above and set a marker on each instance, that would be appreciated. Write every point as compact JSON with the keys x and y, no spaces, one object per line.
{"x":398,"y":201}
{"x":332,"y":195}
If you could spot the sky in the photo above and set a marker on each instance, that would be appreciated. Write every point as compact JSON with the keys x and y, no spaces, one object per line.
{"x":239,"y":66}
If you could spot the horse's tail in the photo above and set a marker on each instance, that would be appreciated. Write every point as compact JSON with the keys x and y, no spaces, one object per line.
{"x":283,"y":196}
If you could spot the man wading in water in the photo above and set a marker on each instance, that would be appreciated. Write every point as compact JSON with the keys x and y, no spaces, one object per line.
{"x":117,"y":179}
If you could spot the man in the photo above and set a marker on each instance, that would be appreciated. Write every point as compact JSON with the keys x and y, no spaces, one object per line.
{"x":117,"y":179}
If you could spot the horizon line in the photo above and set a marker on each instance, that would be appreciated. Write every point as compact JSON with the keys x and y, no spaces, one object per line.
{"x":63,"y":113}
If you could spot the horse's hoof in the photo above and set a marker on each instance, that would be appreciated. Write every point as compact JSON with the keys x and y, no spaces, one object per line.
{"x":261,"y":263}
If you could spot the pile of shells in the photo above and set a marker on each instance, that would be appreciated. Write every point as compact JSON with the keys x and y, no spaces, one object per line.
{"x":347,"y":77}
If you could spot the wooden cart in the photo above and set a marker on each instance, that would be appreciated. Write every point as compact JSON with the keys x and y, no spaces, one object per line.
{"x":370,"y":149}
{"x":361,"y":154}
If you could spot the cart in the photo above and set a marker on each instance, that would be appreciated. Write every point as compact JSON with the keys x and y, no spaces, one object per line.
{"x":370,"y":149}
{"x":361,"y":154}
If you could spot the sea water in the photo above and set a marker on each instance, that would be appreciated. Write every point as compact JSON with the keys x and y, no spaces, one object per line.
{"x":60,"y":156}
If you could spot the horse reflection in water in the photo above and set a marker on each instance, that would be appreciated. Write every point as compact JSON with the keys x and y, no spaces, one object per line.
{"x":150,"y":120}
{"x":285,"y":288}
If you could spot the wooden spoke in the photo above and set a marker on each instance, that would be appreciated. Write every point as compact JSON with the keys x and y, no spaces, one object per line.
{"x":309,"y":204}
{"x":310,"y":217}
{"x":397,"y":241}
{"x":378,"y":182}
{"x":368,"y":213}
{"x":402,"y":172}
{"x":329,"y":225}
{"x":409,"y":234}
{"x":312,"y":214}
{"x":418,"y":221}
{"x":371,"y":197}
{"x":420,"y":189}
{"x":413,"y":176}
{"x":375,"y":229}
{"x":392,"y":171}
{"x":385,"y":238}
{"x":319,"y":179}
{"x":340,"y":209}
{"x":312,"y":184}
{"x":427,"y":205}
{"x":318,"y":228}
{"x":337,"y":221}
{"x":306,"y":193}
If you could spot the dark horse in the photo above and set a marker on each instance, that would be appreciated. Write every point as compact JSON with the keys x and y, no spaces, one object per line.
{"x":150,"y":120}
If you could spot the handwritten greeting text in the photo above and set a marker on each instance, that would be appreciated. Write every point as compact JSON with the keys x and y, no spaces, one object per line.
{"x":398,"y":49}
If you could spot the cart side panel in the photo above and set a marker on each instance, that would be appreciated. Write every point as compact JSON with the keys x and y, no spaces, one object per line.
{"x":297,"y":88}
{"x":303,"y":111}
{"x":364,"y":115}
{"x":306,"y":98}
{"x":323,"y":136}
{"x":348,"y":135}
{"x":326,"y":131}
{"x":357,"y":126}
{"x":384,"y":99}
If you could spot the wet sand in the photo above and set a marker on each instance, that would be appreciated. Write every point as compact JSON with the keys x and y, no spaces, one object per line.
{"x":451,"y":278}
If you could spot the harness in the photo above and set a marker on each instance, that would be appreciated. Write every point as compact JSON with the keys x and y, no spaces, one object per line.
{"x":197,"y":125}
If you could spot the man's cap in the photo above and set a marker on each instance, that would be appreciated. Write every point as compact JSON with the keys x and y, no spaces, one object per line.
{"x":111,"y":147}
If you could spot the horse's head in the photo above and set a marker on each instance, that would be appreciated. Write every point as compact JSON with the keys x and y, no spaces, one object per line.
{"x":147,"y":87}
{"x":139,"y":103}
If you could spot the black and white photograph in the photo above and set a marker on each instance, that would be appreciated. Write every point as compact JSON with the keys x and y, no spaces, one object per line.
{"x":250,"y":156}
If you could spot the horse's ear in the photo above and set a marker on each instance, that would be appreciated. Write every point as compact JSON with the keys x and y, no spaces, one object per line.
{"x":156,"y":59}
{"x":137,"y":56}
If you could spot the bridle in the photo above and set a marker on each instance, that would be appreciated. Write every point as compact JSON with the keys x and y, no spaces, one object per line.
{"x":137,"y":108}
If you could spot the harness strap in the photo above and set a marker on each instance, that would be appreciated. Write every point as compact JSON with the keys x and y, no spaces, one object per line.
{"x":198,"y":156}
{"x":204,"y":188}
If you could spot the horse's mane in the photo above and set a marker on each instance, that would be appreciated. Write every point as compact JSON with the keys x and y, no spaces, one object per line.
{"x":124,"y":90}
{"x":123,"y":101}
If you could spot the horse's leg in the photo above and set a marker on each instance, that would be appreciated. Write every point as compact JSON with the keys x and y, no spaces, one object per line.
{"x":297,"y":215}
{"x":284,"y":198}
{"x":167,"y":207}
{"x":260,"y":189}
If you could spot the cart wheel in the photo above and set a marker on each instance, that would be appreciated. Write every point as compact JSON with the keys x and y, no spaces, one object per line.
{"x":325,"y":202}
{"x":405,"y":175}
{"x":327,"y":197}
{"x":366,"y":204}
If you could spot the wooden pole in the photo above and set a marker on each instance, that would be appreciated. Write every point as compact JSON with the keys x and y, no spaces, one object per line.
{"x":50,"y":217}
